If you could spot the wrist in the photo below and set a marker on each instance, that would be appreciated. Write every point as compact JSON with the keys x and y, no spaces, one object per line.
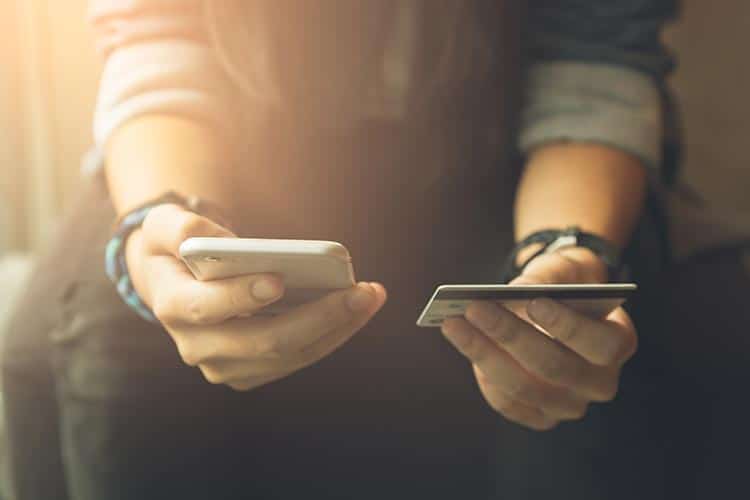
{"x":596,"y":259}
{"x":592,"y":267}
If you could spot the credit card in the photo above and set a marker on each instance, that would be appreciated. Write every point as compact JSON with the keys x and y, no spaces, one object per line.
{"x":596,"y":301}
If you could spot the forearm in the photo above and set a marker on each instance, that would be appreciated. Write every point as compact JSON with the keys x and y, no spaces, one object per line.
{"x":599,"y":189}
{"x":166,"y":112}
{"x":152,"y":154}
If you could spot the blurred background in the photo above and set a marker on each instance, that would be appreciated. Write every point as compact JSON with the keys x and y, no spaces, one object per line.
{"x":48,"y":87}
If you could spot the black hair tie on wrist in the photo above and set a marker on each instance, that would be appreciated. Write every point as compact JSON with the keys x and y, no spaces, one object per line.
{"x":555,"y":239}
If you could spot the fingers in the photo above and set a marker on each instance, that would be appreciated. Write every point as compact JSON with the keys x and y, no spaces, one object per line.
{"x":167,"y":226}
{"x":549,"y":269}
{"x":541,"y":356}
{"x":180,"y":300}
{"x":516,"y":411}
{"x":264,"y":368}
{"x":497,"y":372}
{"x":242,"y":349}
{"x":568,"y":265}
{"x":306,"y":324}
{"x":603,"y":343}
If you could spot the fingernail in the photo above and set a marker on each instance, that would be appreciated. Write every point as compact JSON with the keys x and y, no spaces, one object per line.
{"x":542,"y":310}
{"x":484,"y":315}
{"x":264,"y":290}
{"x":360,"y":298}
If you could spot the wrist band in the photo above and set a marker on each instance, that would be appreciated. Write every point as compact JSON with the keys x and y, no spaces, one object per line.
{"x":555,"y":239}
{"x":115,"y":263}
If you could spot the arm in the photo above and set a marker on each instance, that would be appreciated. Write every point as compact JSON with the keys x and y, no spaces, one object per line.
{"x":163,"y":103}
{"x":603,"y":195}
{"x":592,"y":121}
{"x":165,"y":122}
{"x":592,"y":131}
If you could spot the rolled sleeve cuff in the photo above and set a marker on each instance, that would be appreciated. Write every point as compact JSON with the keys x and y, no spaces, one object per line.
{"x":593,"y":103}
{"x":176,"y":77}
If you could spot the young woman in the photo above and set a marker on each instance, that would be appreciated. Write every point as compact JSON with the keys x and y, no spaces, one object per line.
{"x":388,"y":126}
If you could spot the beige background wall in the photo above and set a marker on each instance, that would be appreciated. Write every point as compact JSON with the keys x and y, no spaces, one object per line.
{"x":713,"y":85}
{"x":49,"y":79}
{"x":50,"y":71}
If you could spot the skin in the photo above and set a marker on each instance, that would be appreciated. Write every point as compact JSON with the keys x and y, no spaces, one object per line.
{"x":524,"y":375}
{"x":540,"y":380}
{"x":212,"y":323}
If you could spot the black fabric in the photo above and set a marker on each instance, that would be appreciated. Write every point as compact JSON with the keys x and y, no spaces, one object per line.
{"x":395,"y":413}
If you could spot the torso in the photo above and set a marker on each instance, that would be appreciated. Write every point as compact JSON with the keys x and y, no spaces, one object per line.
{"x":420,"y":197}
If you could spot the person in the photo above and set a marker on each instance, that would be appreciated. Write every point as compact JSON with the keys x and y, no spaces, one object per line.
{"x":391,"y":127}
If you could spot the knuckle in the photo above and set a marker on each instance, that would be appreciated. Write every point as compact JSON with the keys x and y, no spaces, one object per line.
{"x":482,"y":378}
{"x":552,"y":368}
{"x":501,"y":405}
{"x":166,"y":306}
{"x":336,"y":312}
{"x":581,"y":411}
{"x":504,"y":331}
{"x":239,"y":297}
{"x":607,"y":357}
{"x":241,"y":386}
{"x":618,"y":351}
{"x":606,"y":393}
{"x":163,"y":311}
{"x":473,"y":349}
{"x":197,"y":313}
{"x":266,"y":345}
{"x":565,"y":327}
{"x":272,"y":346}
{"x":188,"y":355}
{"x":192,"y":225}
{"x":212,"y":376}
{"x":518,"y":390}
{"x":576,"y":412}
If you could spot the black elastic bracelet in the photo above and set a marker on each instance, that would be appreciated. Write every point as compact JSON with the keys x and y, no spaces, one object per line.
{"x":552,"y":240}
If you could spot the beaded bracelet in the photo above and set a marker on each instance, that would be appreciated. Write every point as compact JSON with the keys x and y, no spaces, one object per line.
{"x":115,"y":264}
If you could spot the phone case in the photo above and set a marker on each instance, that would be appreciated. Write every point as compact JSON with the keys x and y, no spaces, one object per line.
{"x":310,"y":269}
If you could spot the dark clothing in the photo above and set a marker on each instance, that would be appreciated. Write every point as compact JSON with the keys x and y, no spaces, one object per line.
{"x":394,"y":413}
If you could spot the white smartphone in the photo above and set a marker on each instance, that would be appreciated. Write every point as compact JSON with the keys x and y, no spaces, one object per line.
{"x":310,"y":269}
{"x":593,"y":300}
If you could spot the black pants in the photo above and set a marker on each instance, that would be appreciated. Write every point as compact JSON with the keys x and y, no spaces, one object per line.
{"x":99,"y":405}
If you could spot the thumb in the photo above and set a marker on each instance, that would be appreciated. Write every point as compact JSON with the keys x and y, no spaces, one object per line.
{"x":167,"y":226}
{"x":548,"y":269}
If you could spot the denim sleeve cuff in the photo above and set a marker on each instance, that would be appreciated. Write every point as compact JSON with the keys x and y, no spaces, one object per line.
{"x":177,"y":77}
{"x":593,"y":103}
